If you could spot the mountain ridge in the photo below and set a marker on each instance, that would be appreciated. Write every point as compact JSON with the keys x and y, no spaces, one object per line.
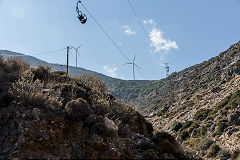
{"x":117,"y":87}
{"x":198,"y":105}
{"x":74,"y":118}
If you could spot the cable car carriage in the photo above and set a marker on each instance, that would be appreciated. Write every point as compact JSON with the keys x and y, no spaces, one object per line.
{"x":82,"y":17}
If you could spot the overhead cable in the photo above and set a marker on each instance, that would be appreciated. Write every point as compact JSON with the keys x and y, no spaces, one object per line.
{"x":140,"y":71}
{"x":40,"y":53}
{"x":109,"y":37}
{"x":104,"y":31}
{"x":140,"y":23}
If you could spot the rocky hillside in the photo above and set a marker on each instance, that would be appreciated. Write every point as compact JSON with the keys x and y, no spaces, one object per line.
{"x":50,"y":115}
{"x":124,"y":90}
{"x":199,"y":105}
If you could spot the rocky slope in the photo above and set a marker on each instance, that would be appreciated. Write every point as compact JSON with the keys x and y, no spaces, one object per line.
{"x":50,"y":115}
{"x":199,"y":105}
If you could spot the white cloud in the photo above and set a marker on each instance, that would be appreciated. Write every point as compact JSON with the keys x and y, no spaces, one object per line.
{"x":128,"y":31}
{"x":159,"y":43}
{"x":150,"y":21}
{"x":110,"y":71}
{"x":18,"y":12}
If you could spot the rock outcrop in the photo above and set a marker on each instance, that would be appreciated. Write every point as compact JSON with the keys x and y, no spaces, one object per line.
{"x":200,"y":103}
{"x":50,"y":115}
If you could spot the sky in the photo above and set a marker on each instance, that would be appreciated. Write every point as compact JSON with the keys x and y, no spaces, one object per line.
{"x":181,"y":33}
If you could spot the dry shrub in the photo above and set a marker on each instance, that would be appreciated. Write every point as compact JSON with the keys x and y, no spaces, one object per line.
{"x":28,"y":92}
{"x":59,"y":77}
{"x":166,"y":143}
{"x":41,"y":73}
{"x":93,"y":83}
{"x":129,"y":120}
{"x":73,"y":91}
{"x":102,"y":103}
{"x":27,"y":76}
{"x":10,"y":71}
{"x":16,"y":65}
{"x":98,"y":93}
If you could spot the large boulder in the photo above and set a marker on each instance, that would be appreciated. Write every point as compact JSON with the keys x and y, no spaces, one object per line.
{"x":78,"y":109}
{"x":110,"y":125}
{"x":106,"y":127}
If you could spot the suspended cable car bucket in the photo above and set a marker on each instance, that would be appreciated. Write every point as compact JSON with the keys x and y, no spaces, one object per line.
{"x":82,"y":17}
{"x":84,"y":20}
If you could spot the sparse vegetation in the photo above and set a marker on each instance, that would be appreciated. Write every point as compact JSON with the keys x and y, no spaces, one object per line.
{"x":177,"y":95}
{"x":184,"y":135}
{"x":213,"y":150}
{"x":177,"y":126}
{"x":220,"y":126}
{"x":56,"y":110}
{"x":205,"y":144}
{"x":207,"y":123}
{"x":201,"y":114}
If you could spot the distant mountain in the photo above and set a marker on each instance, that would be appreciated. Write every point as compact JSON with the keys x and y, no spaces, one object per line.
{"x":74,"y":71}
{"x":199,"y":105}
{"x":31,"y":60}
{"x":74,"y":118}
{"x":124,"y":90}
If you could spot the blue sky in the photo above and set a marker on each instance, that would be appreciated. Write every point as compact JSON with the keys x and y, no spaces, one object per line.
{"x":182,"y":33}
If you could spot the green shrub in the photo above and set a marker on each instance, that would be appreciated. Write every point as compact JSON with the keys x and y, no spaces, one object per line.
{"x":193,"y":126}
{"x":235,"y":100}
{"x":203,"y":130}
{"x":214,"y":149}
{"x":220,"y":126}
{"x":176,"y":126}
{"x":186,"y":125}
{"x":235,"y":95}
{"x":205,"y":144}
{"x":196,"y":133}
{"x":184,"y":135}
{"x":227,"y":103}
{"x":222,"y":82}
{"x":201,"y":114}
{"x":223,"y":103}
